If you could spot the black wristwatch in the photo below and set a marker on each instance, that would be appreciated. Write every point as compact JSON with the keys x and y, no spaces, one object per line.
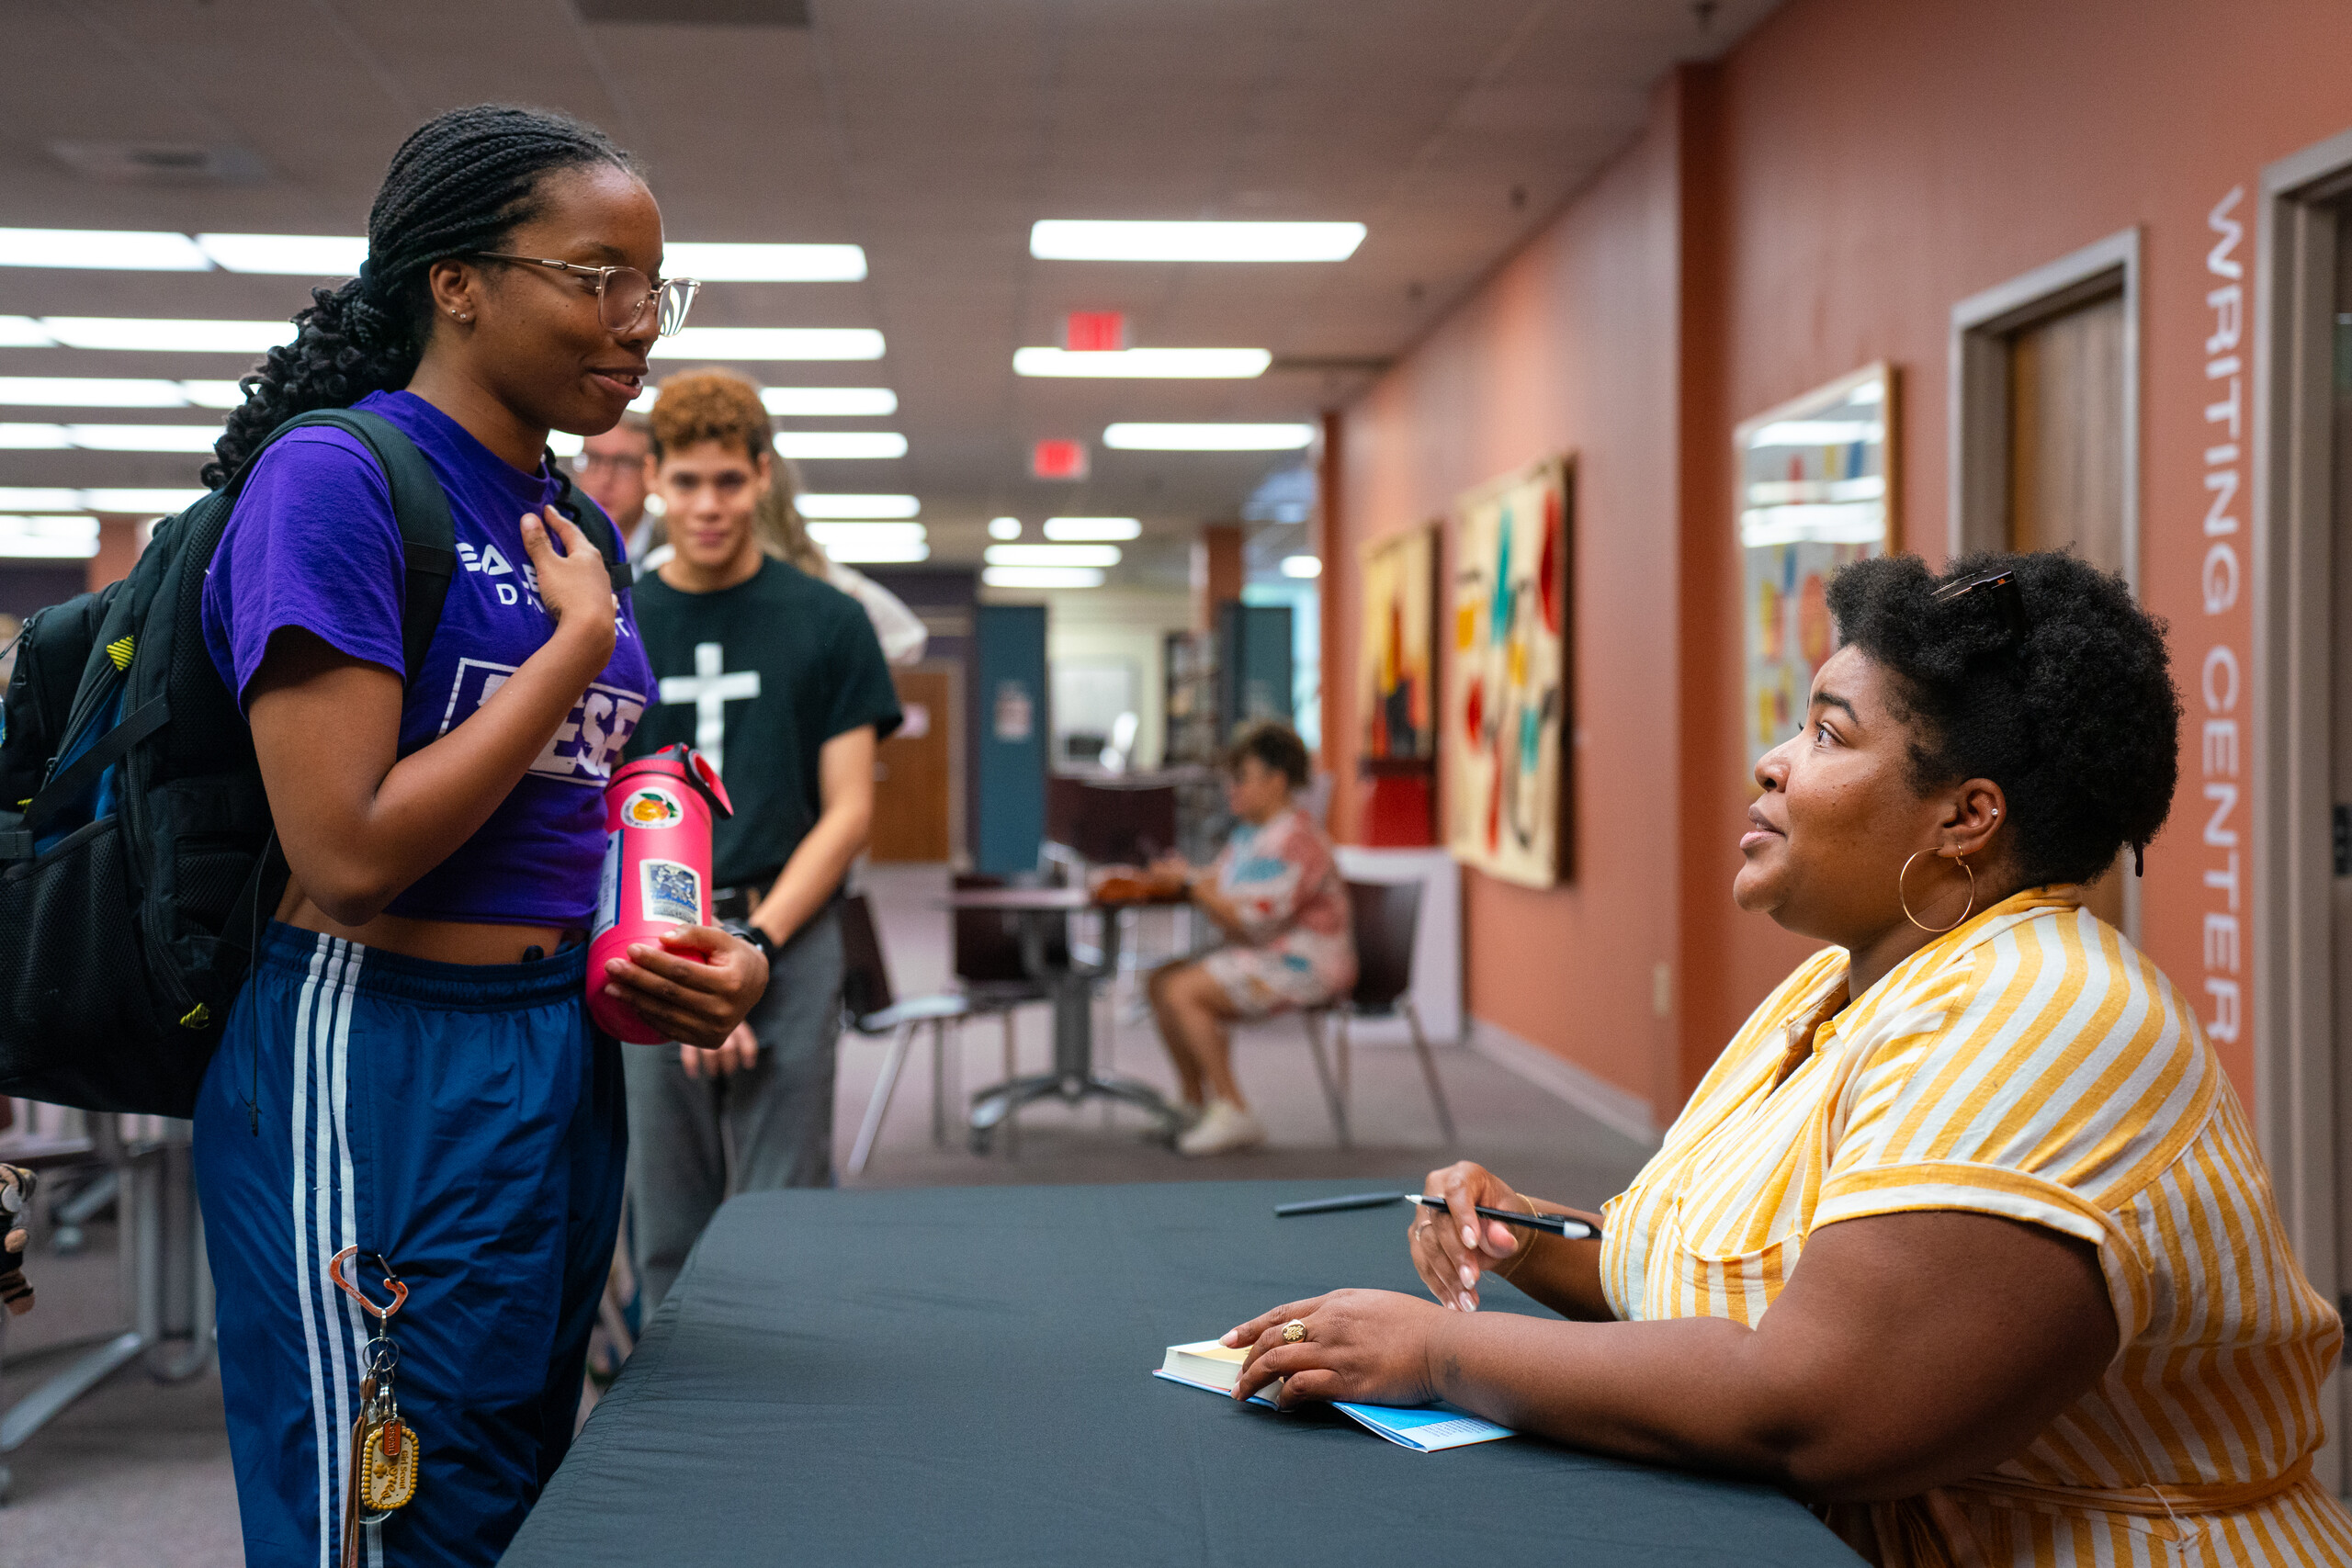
{"x":756,"y":937}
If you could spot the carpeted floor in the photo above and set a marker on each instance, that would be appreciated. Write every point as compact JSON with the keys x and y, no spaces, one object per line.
{"x":140,"y":1469}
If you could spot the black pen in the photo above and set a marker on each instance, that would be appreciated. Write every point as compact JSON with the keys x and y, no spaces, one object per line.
{"x":1550,"y":1225}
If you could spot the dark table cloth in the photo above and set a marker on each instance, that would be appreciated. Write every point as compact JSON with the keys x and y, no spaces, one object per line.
{"x":962,"y":1375}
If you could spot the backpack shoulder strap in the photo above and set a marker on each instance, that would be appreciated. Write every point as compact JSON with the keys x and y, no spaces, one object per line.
{"x":420,"y":507}
{"x":575,"y":504}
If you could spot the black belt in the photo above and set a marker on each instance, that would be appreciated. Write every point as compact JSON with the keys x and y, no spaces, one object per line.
{"x":736,"y":903}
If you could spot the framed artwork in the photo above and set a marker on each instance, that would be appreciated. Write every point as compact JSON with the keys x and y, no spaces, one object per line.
{"x":1816,"y":489}
{"x":1397,"y":686}
{"x":1507,"y":696}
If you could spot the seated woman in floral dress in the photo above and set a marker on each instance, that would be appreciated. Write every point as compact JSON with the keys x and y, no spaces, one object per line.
{"x":1275,"y":893}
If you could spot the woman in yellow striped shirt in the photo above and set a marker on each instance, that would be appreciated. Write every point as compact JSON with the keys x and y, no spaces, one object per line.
{"x":2046,"y":1312}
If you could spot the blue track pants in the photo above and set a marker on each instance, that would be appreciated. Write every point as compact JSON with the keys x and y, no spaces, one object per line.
{"x":467,"y":1123}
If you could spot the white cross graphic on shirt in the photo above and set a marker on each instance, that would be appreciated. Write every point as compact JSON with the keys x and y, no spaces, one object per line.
{"x":710,"y":689}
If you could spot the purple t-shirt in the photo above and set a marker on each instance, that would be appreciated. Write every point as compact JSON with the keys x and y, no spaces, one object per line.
{"x":313,"y":543}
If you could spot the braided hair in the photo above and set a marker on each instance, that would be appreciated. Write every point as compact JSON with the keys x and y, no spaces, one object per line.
{"x":460,"y":183}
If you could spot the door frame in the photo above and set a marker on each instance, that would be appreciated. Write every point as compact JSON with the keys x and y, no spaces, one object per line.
{"x":2294,"y":1067}
{"x":1982,"y":324}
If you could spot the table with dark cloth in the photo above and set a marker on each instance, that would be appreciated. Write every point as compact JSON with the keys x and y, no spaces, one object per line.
{"x":962,"y":1375}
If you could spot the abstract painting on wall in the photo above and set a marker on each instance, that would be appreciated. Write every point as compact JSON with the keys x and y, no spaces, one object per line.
{"x":1507,"y":696}
{"x":1397,"y":687}
{"x":1817,"y":481}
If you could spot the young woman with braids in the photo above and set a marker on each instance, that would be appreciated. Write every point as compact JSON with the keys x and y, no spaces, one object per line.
{"x":410,"y":1071}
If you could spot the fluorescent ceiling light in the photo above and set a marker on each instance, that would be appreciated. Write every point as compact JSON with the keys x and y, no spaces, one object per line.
{"x":144,"y":503}
{"x":826,"y":403}
{"x":44,"y":498}
{"x":563,"y":444}
{"x":1165,"y":364}
{"x":33,"y":438}
{"x":116,"y":393}
{"x":142,"y":332}
{"x":770,"y":343}
{"x":1004,"y":527}
{"x":91,"y":392}
{"x":1077,"y":528}
{"x":857,"y":506}
{"x":823,"y":444}
{"x":1063,"y":239}
{"x":143,"y":437}
{"x":723,"y":262}
{"x":53,"y":538}
{"x":1041,"y":577}
{"x":1301,"y":566}
{"x":880,"y":542}
{"x":112,"y":250}
{"x":339,"y":256}
{"x":1207,"y":437}
{"x":1051,"y":555}
{"x":304,"y":255}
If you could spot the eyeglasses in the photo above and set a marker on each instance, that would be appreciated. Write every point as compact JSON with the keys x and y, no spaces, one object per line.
{"x":592,"y":462}
{"x":622,"y":293}
{"x":2006,"y":597}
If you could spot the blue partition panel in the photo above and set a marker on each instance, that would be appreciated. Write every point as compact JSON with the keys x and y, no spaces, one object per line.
{"x":1010,"y":726}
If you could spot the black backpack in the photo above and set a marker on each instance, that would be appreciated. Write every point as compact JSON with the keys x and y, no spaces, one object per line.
{"x":137,"y":859}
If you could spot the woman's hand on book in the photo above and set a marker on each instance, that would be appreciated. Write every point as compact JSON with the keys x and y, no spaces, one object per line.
{"x":1369,"y":1346}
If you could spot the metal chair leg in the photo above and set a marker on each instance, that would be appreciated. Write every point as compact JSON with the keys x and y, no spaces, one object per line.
{"x":938,"y":1082}
{"x":1428,"y":1066}
{"x":1342,"y":1058}
{"x":875,"y":1107}
{"x":1312,"y":1019}
{"x":1011,"y":1109}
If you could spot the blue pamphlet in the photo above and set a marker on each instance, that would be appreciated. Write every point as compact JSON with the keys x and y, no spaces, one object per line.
{"x":1213,"y":1367}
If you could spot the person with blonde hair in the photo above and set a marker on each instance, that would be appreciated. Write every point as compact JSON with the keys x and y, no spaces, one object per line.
{"x":784,"y":535}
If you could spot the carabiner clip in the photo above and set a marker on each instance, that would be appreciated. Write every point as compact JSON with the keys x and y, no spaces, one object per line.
{"x":391,"y":1283}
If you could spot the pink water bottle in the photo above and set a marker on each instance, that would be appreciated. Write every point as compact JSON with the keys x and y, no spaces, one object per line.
{"x":657,"y":868}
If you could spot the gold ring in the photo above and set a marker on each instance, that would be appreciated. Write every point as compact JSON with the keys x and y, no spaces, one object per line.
{"x":1294,"y":1331}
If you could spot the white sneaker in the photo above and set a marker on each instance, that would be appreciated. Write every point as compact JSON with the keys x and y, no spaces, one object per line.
{"x":1224,"y":1128}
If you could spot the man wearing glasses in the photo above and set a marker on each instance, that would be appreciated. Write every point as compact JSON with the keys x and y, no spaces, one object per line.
{"x":611,"y":469}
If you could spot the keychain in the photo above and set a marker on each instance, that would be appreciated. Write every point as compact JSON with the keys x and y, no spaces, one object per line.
{"x":383,"y":1447}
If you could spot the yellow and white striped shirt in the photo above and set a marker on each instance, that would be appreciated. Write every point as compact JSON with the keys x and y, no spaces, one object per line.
{"x":2031,"y":1064}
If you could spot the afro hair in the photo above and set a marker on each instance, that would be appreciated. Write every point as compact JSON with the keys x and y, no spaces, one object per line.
{"x":2076,"y":719}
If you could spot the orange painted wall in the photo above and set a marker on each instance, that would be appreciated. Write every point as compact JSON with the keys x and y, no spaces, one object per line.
{"x":1567,"y":349}
{"x":1819,"y":200}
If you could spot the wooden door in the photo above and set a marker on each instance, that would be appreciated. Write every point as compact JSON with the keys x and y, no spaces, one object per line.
{"x":2066,"y":452}
{"x":915,"y":770}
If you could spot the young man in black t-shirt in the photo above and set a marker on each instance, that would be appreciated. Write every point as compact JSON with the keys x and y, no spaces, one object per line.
{"x":778,"y":680}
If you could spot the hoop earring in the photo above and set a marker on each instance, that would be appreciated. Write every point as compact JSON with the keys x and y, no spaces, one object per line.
{"x":1900,"y":898}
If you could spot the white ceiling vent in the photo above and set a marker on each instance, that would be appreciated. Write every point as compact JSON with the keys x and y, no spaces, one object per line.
{"x":161,"y":162}
{"x":697,"y":13}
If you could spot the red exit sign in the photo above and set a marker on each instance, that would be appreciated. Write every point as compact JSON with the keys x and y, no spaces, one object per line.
{"x":1057,"y":461}
{"x":1094,"y":331}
